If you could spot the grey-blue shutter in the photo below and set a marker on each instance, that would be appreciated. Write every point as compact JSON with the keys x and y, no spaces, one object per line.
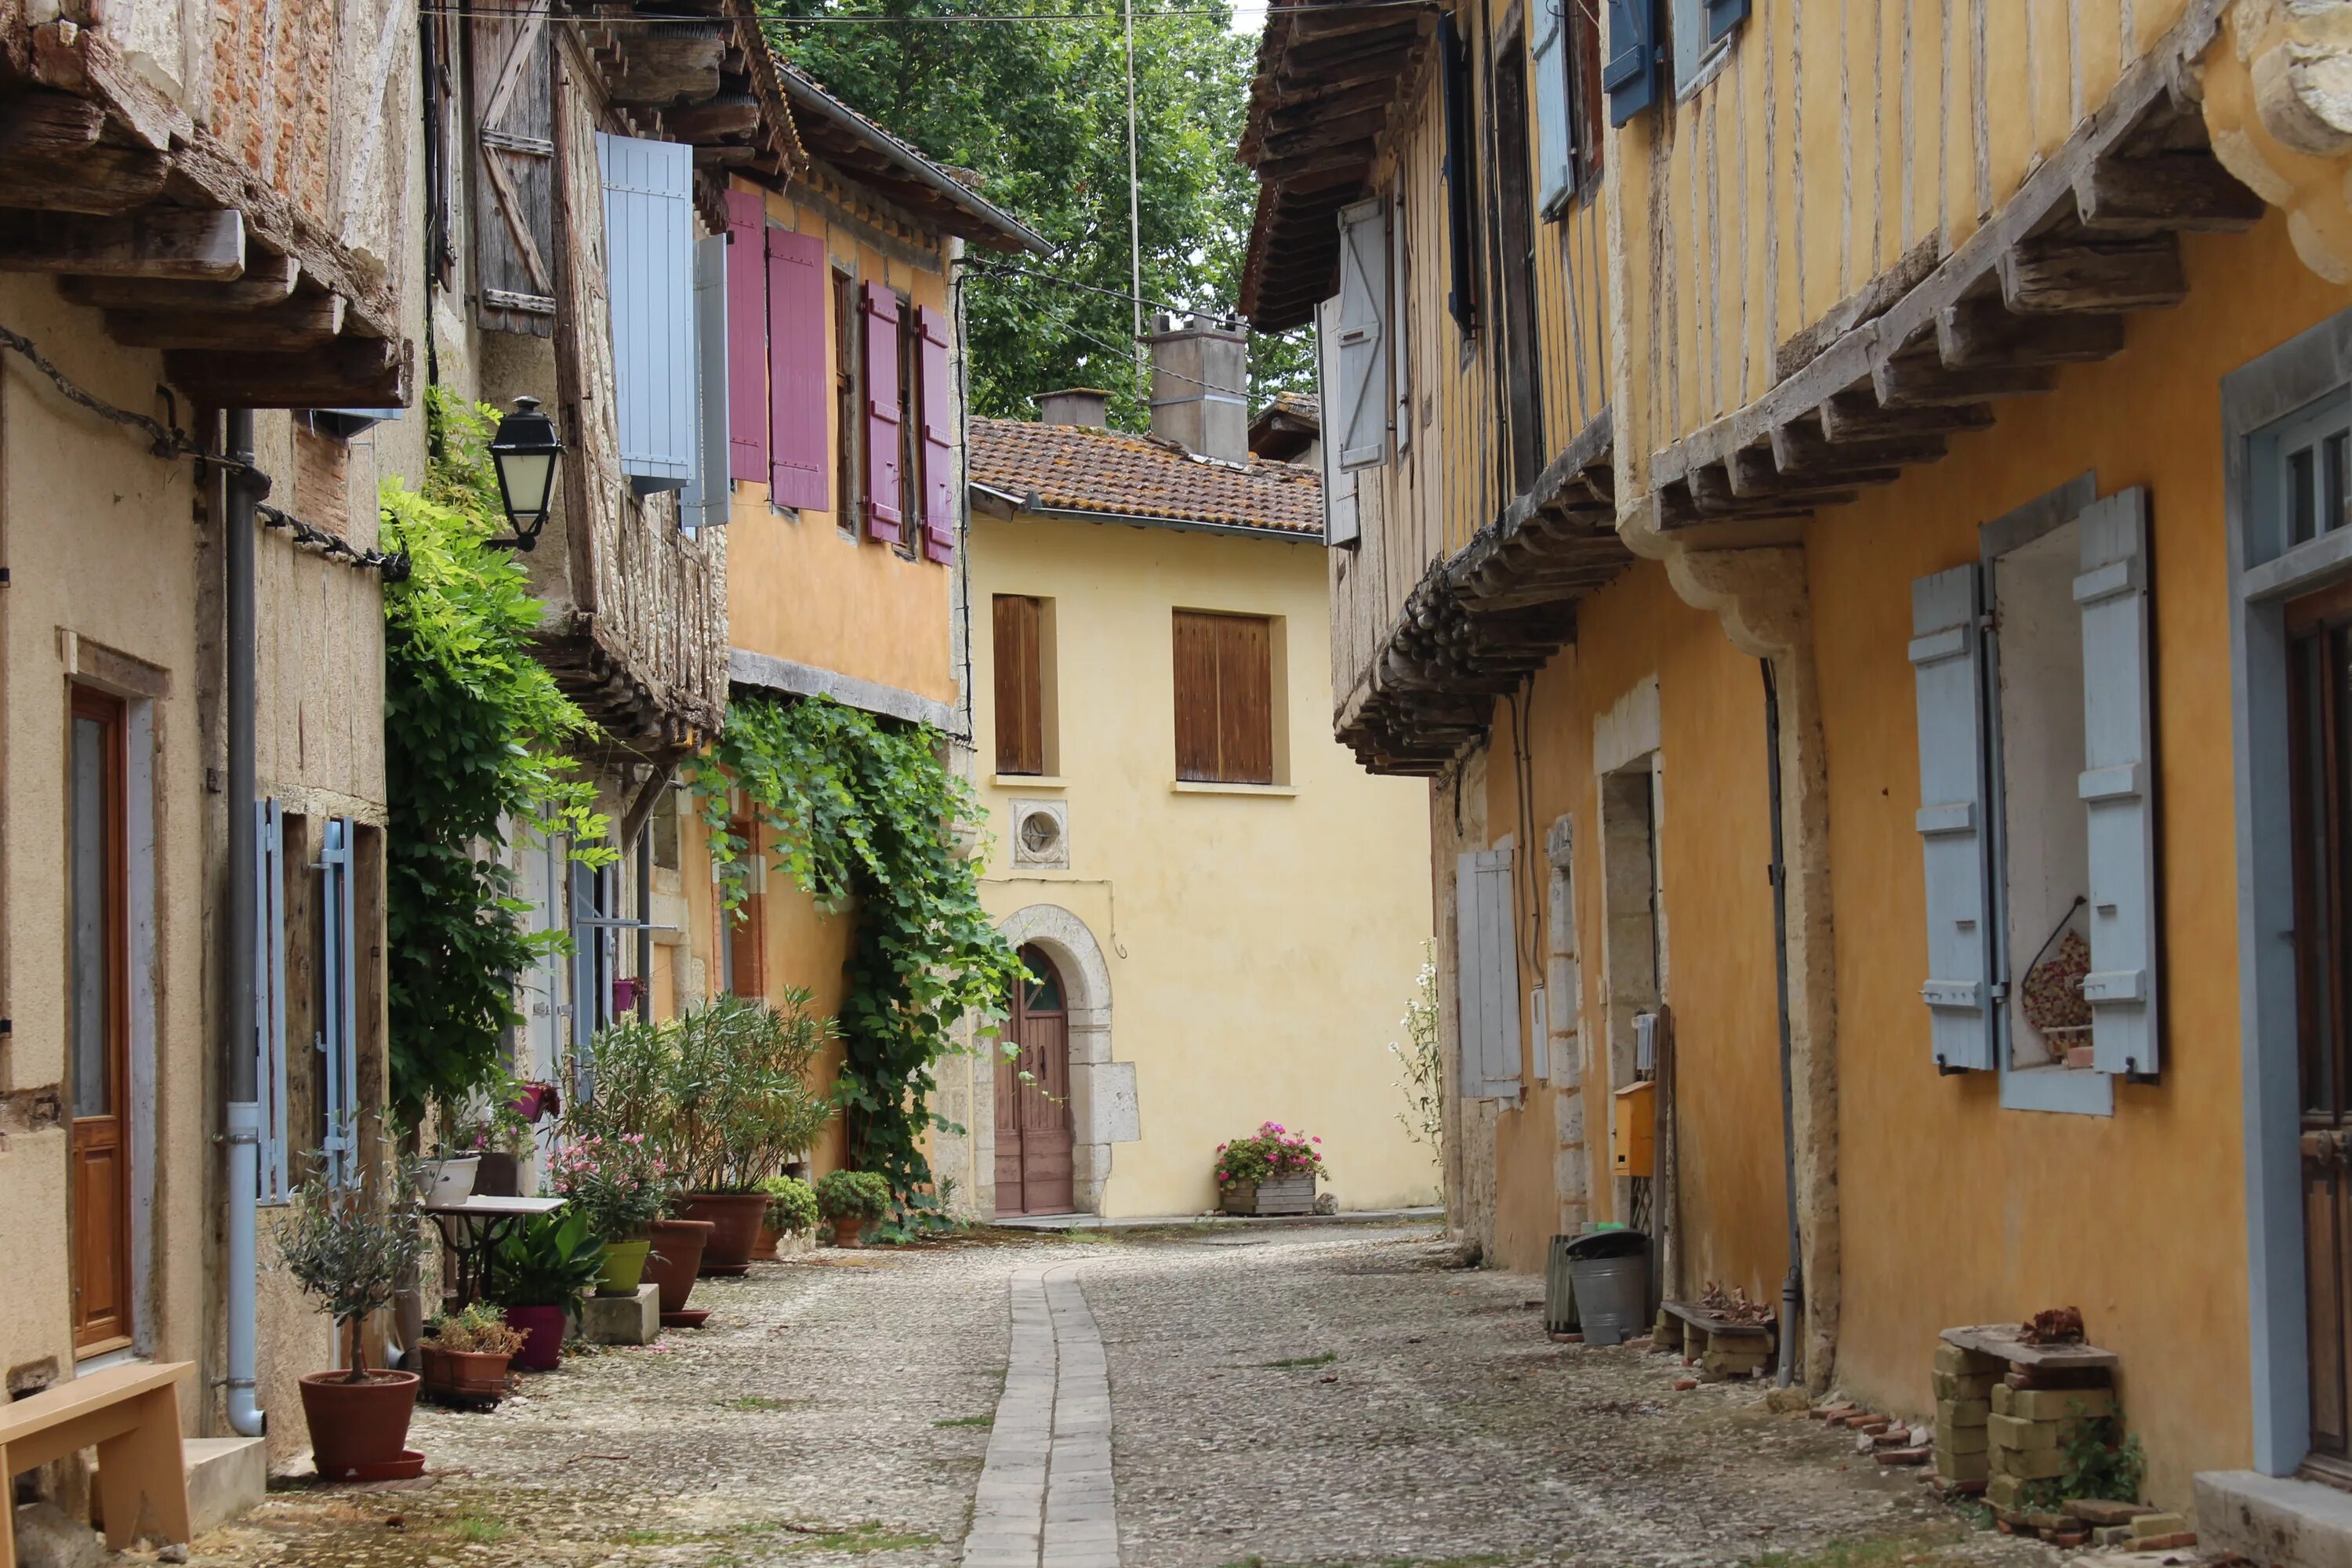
{"x":269,"y":997}
{"x":1341,"y":521}
{"x":587,"y":939}
{"x":710,"y":495}
{"x":649,"y":262}
{"x":1629,"y":65}
{"x":1548,"y":60}
{"x":338,"y":1039}
{"x":1947,"y":670}
{"x":1722,"y":16}
{"x":1358,"y":422}
{"x":1486,"y":980}
{"x":2118,"y":784}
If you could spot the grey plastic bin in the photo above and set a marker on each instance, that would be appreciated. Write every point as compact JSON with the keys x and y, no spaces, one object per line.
{"x":1610,"y":1273}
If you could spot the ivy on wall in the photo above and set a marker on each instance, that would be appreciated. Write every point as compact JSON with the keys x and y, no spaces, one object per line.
{"x":866,"y":816}
{"x":475,"y":736}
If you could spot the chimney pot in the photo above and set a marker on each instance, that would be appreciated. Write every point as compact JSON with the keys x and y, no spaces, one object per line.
{"x":1085,"y":406}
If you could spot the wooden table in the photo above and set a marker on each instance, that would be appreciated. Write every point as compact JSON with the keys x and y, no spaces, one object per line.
{"x":473,"y":1228}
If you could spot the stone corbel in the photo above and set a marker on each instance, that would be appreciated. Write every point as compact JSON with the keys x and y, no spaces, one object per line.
{"x":2276,"y":86}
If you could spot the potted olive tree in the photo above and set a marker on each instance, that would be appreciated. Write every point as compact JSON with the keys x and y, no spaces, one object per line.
{"x":351,"y":1246}
{"x":850,"y":1201}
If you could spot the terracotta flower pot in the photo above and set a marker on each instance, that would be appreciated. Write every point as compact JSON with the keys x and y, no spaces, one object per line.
{"x":849,"y":1230}
{"x":357,"y":1426}
{"x":676,"y":1257}
{"x":543,"y":1337}
{"x":463,"y":1376}
{"x":764,"y":1249}
{"x":735,"y":1218}
{"x":624,"y":1266}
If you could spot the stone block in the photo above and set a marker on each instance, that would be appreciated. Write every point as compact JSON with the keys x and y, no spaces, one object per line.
{"x":47,"y":1537}
{"x":1964,"y":1385}
{"x":2158,"y":1524}
{"x":2005,"y":1491}
{"x":1963,"y":1439}
{"x":621,"y":1319}
{"x":2105,"y":1511}
{"x":2030,"y":1463}
{"x":226,"y":1476}
{"x":2004,"y":1399}
{"x":1959,"y":1467}
{"x":2274,"y":1518}
{"x":1962,"y":1412}
{"x":1968,"y":1363}
{"x":2062,"y":1403}
{"x":2017,"y":1431}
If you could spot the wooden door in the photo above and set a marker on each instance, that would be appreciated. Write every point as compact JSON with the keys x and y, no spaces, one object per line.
{"x":99,"y":1023}
{"x":1034,"y":1143}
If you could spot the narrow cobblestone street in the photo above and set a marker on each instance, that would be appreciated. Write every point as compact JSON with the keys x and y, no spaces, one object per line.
{"x":1173,"y":1399}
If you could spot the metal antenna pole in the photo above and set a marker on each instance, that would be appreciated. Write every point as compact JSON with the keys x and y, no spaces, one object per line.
{"x":1134,"y":202}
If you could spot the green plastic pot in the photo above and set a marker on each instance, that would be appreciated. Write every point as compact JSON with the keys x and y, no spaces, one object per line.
{"x":624,"y":1266}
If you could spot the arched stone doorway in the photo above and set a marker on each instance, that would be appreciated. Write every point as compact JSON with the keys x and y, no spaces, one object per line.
{"x":1033,"y":1136}
{"x":1100,"y":1096}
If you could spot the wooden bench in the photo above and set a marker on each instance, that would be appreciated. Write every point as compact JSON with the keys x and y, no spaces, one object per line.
{"x":131,"y":1415}
{"x":1717,"y":1346}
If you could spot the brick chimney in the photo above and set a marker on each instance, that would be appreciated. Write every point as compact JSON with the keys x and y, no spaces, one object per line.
{"x":1082,"y":406}
{"x":1200,"y":383}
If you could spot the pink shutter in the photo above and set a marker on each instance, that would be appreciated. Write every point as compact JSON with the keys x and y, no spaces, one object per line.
{"x":880,"y":308}
{"x":747,"y":339}
{"x":798,"y":376}
{"x":938,"y":411}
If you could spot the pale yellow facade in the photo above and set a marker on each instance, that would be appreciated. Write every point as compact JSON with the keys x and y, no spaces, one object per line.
{"x":1253,"y":946}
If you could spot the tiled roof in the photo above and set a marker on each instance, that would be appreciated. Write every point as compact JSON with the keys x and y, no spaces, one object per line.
{"x":1075,"y":468}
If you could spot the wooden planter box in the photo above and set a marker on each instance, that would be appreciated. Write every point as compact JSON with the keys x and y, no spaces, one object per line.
{"x":1283,"y":1194}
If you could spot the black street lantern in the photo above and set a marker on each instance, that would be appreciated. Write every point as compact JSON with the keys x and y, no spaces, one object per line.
{"x":525,"y":449}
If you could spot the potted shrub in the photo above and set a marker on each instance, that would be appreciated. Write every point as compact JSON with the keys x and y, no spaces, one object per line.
{"x":1272,"y":1171}
{"x":620,"y":1187}
{"x":466,"y":1355}
{"x":351,"y":1251}
{"x":542,"y":1270}
{"x":850,"y":1201}
{"x":791,"y":1211}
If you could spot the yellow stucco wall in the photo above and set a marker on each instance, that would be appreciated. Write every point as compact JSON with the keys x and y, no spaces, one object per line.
{"x":1955,"y":1210}
{"x":798,"y":587}
{"x":1261,"y":950}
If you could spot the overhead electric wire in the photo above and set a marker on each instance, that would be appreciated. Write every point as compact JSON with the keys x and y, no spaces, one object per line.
{"x":513,"y":13}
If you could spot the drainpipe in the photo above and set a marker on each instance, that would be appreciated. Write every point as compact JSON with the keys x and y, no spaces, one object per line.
{"x":644,"y":879}
{"x":246,"y":485}
{"x":1792,"y":1283}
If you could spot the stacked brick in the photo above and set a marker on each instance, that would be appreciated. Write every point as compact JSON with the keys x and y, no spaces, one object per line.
{"x":2030,"y":1428}
{"x":1965,"y":1383}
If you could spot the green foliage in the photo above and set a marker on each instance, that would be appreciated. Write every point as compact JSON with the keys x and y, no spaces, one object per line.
{"x":2101,"y":1463}
{"x":617,"y":1182}
{"x":844,"y":1195}
{"x":1272,"y":1151}
{"x":792,"y":1206}
{"x":553,"y":1262}
{"x":719,"y":1097}
{"x":863,"y":811}
{"x":1040,"y":112}
{"x":351,"y":1247}
{"x":475,"y":736}
{"x":477,"y":1330}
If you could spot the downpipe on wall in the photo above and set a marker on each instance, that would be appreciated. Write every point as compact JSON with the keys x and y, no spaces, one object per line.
{"x":245,"y":486}
{"x":1792,"y":1283}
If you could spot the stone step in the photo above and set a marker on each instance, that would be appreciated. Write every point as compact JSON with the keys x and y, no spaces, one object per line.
{"x":226,"y":1476}
{"x":2274,"y":1520}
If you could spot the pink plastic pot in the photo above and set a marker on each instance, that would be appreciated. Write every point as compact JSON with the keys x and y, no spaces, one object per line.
{"x":542,"y":1331}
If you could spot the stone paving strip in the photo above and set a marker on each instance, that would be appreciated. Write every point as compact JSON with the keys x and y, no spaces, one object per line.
{"x":1045,"y":1498}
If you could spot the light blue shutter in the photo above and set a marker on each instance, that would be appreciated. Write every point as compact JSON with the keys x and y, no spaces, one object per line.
{"x":1948,"y":665}
{"x":649,"y":261}
{"x":270,"y":996}
{"x":1549,"y":56}
{"x":2118,"y":784}
{"x":1628,"y":69}
{"x":338,"y":1039}
{"x":1358,"y":424}
{"x":1340,"y":518}
{"x":710,"y":495}
{"x":1486,"y":975}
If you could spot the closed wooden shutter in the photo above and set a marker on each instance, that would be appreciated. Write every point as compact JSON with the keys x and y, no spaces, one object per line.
{"x":1341,"y":521}
{"x":649,"y":251}
{"x":1224,"y":697}
{"x":1486,"y":978}
{"x":1629,"y":65}
{"x":935,"y":405}
{"x":1947,"y":670}
{"x":1359,"y":423}
{"x":797,"y":374}
{"x":2118,"y":784}
{"x":1723,"y":15}
{"x":339,"y":1041}
{"x":710,"y":495}
{"x":747,"y":337}
{"x":878,"y":311}
{"x":514,"y":150}
{"x":1019,"y":685}
{"x":747,"y":926}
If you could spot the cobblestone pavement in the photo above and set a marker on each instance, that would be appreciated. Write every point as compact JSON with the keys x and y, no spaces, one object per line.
{"x":1277,"y":1398}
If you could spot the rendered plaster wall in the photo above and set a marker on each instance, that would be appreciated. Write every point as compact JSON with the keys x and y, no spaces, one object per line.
{"x":1260,"y":946}
{"x":1957,"y":1211}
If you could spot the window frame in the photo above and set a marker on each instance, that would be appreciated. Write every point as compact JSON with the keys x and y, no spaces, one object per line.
{"x":1223,"y":775}
{"x":1038,"y":698}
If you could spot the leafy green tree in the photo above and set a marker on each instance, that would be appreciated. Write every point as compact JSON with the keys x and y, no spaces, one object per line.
{"x":1038,"y":110}
{"x":475,"y":736}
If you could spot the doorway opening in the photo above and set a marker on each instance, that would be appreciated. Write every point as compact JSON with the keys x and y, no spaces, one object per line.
{"x":1035,"y":1147}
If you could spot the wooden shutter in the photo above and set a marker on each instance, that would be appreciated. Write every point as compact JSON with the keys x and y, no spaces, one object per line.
{"x":1461,"y":176}
{"x":935,"y":407}
{"x":1486,"y":980}
{"x":1224,"y":697}
{"x":1948,"y":672}
{"x":1358,"y":425}
{"x":1549,"y":63}
{"x":747,"y":337}
{"x":1341,"y":521}
{"x":514,"y":150}
{"x":1723,"y":15}
{"x":877,"y":311}
{"x":269,"y":997}
{"x":339,"y":1041}
{"x":1019,"y":685}
{"x":2118,"y":784}
{"x":798,"y":378}
{"x":1196,"y":696}
{"x":710,"y":496}
{"x":649,"y":254}
{"x":1629,"y":65}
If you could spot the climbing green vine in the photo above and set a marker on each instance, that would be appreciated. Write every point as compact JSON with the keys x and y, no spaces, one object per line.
{"x":865,"y":812}
{"x":475,"y":736}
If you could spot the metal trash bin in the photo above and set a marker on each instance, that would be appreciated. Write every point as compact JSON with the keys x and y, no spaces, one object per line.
{"x":1610,"y":1273}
